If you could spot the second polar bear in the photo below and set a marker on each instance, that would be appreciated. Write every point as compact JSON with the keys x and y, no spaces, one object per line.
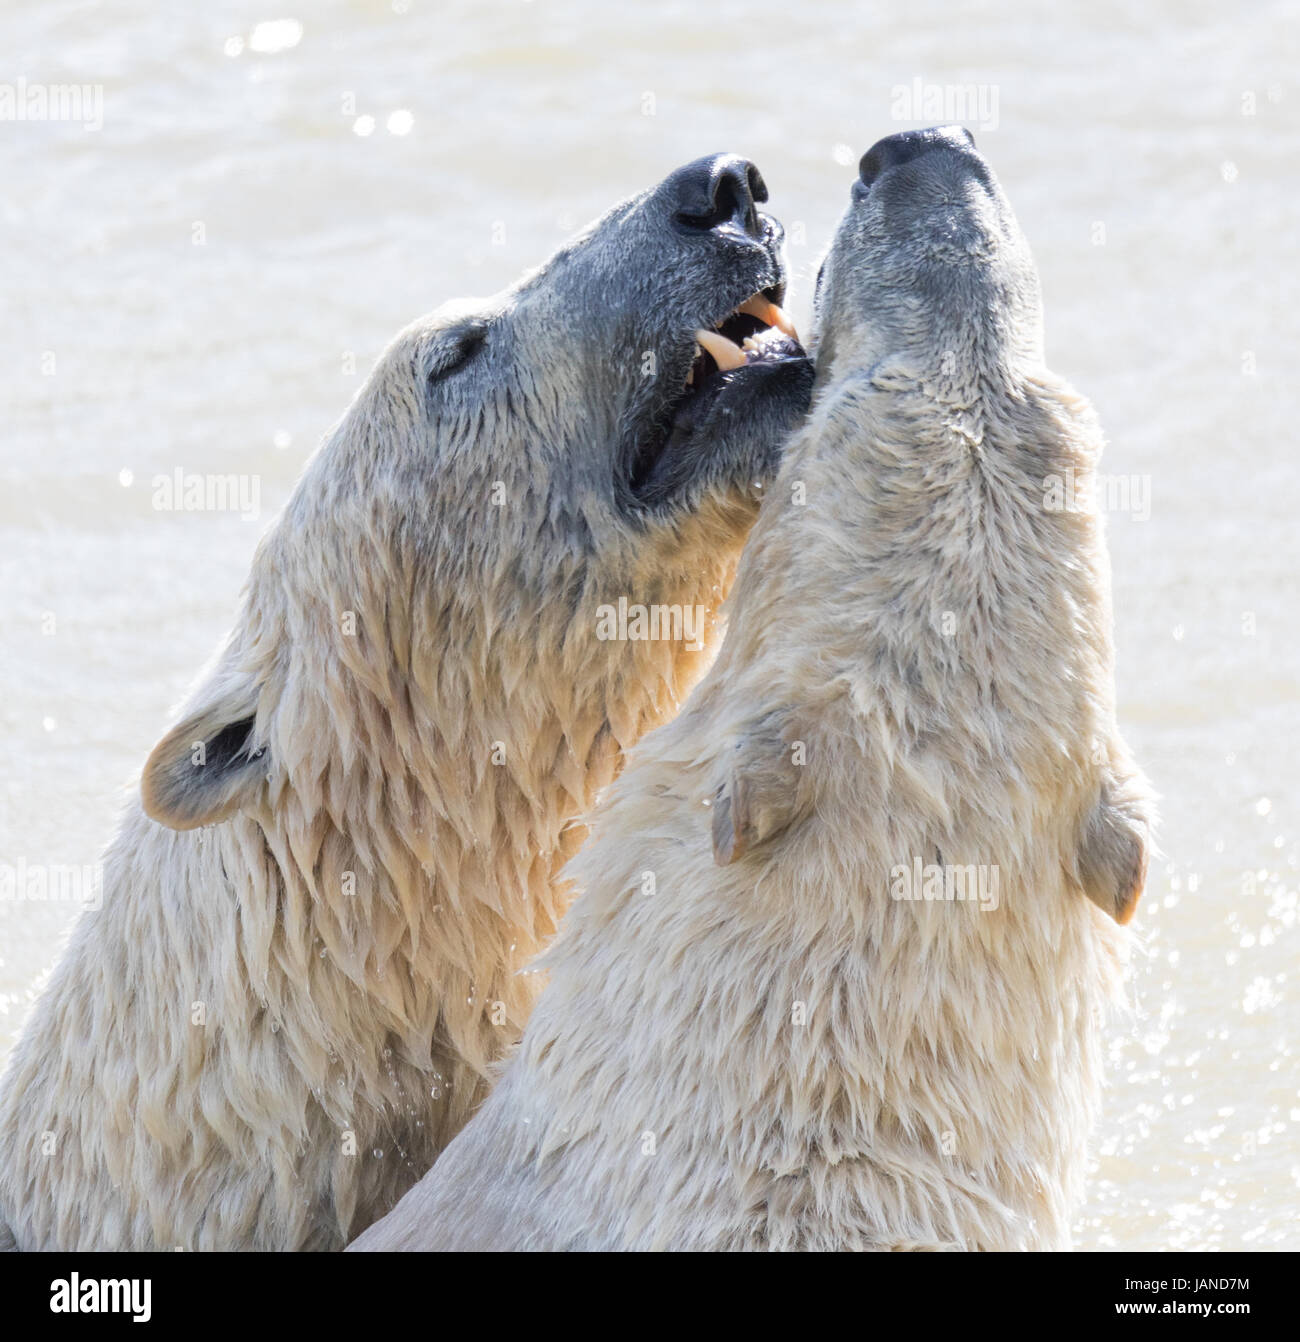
{"x":838,"y":972}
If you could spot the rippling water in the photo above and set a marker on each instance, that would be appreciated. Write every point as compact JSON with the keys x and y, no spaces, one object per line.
{"x":202,"y":282}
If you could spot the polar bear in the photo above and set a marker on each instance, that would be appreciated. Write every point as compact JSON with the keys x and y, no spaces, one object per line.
{"x":306,"y":957}
{"x":846,"y":931}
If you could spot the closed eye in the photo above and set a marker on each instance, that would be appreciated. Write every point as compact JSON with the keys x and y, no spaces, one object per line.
{"x":453,"y":349}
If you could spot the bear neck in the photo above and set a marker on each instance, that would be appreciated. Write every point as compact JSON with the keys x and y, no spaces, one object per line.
{"x":970,"y":619}
{"x":428,"y":772}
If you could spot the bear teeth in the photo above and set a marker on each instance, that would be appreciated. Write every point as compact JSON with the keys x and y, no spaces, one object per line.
{"x":769,"y":314}
{"x":726,"y":353}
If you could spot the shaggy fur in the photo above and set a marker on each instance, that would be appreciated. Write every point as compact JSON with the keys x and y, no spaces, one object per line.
{"x":747,"y":1041}
{"x":298,"y":980}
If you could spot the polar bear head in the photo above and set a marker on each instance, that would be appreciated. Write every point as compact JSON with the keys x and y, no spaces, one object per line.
{"x":600,"y":431}
{"x":971,"y":635}
{"x":928,"y":268}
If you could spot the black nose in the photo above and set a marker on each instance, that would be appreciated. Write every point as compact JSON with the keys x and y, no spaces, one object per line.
{"x":910,"y":144}
{"x":720,"y":189}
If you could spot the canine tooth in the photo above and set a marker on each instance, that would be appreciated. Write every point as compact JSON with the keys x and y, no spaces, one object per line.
{"x":726,"y":353}
{"x":767,"y":311}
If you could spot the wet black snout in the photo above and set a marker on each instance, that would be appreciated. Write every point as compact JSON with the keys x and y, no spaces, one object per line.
{"x":721,"y":189}
{"x":910,"y":144}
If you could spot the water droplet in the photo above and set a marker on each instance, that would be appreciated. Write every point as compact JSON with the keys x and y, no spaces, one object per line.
{"x":275,"y":35}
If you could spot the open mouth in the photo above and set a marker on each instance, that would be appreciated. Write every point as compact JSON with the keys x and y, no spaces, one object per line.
{"x":756,"y":332}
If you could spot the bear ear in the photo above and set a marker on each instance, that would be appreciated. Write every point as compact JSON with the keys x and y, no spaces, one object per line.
{"x":208,"y":765}
{"x":1114,"y":844}
{"x":761,"y":795}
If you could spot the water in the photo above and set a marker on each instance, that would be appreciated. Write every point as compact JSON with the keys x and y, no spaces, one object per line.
{"x":203,"y":282}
